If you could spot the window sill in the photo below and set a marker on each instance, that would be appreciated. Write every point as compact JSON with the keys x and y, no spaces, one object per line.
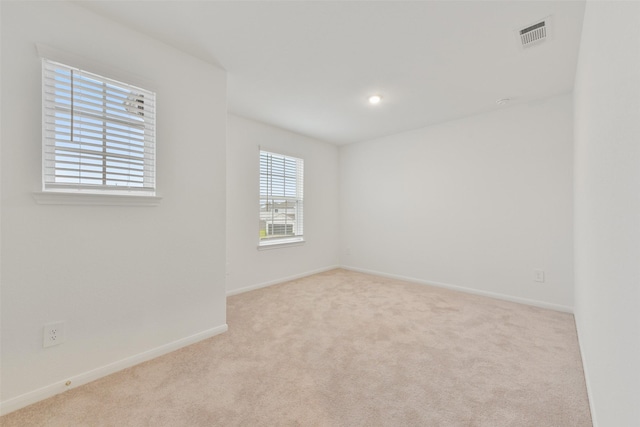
{"x":284,"y":243}
{"x":92,"y":199}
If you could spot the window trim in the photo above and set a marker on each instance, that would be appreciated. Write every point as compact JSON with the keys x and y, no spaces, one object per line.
{"x":283,"y":241}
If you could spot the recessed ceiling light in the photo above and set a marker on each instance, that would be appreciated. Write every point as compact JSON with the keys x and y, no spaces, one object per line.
{"x":503,"y":101}
{"x":375,"y":99}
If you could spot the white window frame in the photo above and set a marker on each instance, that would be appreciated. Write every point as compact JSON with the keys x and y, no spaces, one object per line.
{"x":134,"y":182}
{"x":271,"y":193}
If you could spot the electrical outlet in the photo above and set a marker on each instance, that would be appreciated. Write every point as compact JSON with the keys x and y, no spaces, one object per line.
{"x":53,"y":334}
{"x":538,"y":276}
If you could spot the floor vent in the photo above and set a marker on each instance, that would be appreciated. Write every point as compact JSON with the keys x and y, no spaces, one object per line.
{"x":535,"y":34}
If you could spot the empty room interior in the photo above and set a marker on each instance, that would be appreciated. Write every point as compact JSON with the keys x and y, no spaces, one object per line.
{"x":320,"y":213}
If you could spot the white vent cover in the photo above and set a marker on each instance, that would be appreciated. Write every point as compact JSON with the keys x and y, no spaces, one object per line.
{"x":534,"y":34}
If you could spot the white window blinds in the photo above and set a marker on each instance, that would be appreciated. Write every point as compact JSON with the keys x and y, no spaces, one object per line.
{"x":98,"y":133}
{"x":281,"y":198}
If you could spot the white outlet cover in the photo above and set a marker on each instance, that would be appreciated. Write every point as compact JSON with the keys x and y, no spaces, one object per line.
{"x":53,"y":334}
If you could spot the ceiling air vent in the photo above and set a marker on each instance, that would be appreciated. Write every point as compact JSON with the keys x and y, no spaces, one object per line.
{"x":535,"y":34}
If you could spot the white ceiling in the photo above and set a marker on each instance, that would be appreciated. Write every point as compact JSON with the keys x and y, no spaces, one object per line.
{"x":310,"y":66}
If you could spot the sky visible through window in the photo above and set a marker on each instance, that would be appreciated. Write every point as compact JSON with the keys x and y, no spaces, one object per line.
{"x":278,"y":175}
{"x":99,"y":131}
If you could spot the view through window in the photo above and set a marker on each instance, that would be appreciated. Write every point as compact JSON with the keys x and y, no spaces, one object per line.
{"x":281,"y":198}
{"x":99,"y":134}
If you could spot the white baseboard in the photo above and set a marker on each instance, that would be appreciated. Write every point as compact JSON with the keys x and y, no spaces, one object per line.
{"x":86,"y":377}
{"x":280,"y":280}
{"x":585,"y":368}
{"x":496,"y":295}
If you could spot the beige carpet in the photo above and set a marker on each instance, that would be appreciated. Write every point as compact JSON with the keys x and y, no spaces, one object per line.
{"x":347,"y":349}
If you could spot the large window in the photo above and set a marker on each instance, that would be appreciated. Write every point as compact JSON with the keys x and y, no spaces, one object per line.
{"x":281,"y":198}
{"x":98,"y":133}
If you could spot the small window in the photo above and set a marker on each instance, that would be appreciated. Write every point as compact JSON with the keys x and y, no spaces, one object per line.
{"x":98,"y":133}
{"x":281,"y":198}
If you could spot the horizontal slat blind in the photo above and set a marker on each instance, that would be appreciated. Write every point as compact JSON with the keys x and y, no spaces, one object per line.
{"x":281,"y":196}
{"x":99,"y":134}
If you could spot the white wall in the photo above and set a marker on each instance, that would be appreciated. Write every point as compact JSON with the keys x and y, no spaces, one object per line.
{"x":125,"y":279}
{"x":477,"y":203}
{"x":249,"y":267}
{"x":607,"y":209}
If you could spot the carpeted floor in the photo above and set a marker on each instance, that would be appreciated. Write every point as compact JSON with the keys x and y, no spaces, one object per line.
{"x":348,"y":349}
